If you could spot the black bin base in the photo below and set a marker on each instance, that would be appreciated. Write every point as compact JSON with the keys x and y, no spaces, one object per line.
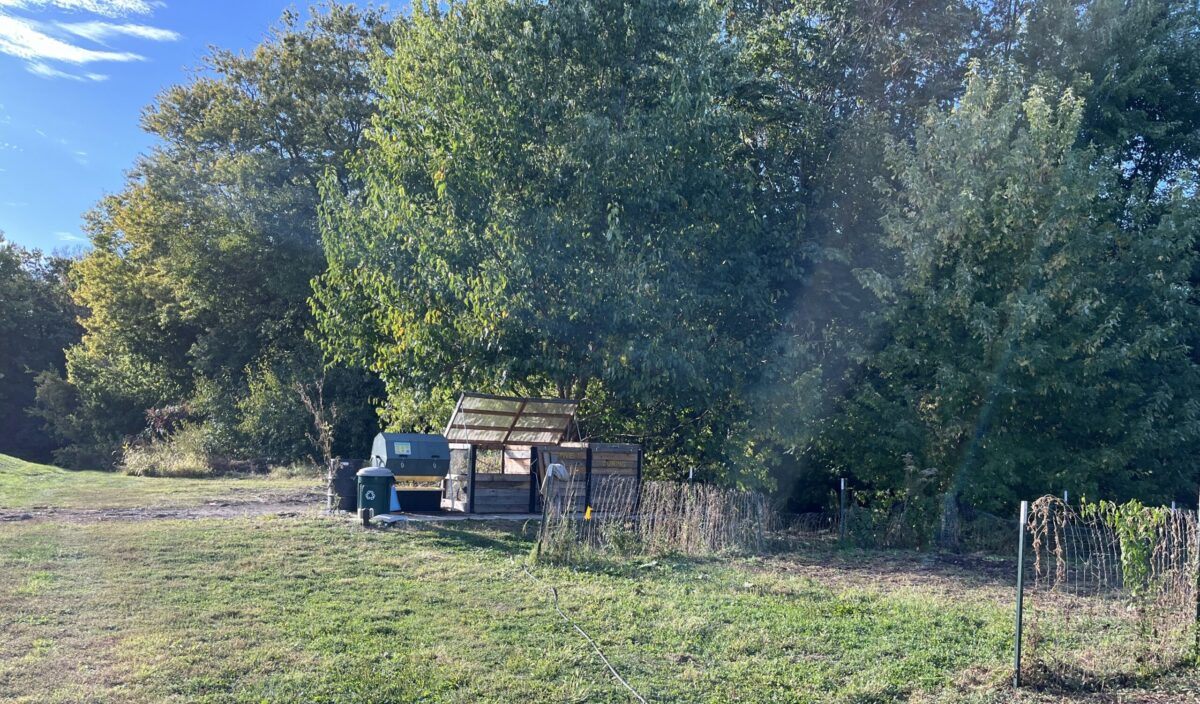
{"x":422,"y":500}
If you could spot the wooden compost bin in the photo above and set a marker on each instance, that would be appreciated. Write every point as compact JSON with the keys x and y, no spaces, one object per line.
{"x":594,"y":473}
{"x":591,"y":467}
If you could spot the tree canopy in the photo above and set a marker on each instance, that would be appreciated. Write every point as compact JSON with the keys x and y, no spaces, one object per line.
{"x":557,"y":200}
{"x":1037,"y":337}
{"x":945,"y":249}
{"x":197,"y":282}
{"x":37,"y":321}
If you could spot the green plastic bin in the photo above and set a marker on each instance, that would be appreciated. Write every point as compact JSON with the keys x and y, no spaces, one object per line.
{"x":374,"y":491}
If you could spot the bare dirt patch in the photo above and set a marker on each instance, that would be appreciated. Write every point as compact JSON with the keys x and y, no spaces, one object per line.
{"x":937,"y":573}
{"x":289,"y":502}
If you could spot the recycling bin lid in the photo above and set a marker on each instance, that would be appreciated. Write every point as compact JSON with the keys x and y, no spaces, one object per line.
{"x":374,"y":472}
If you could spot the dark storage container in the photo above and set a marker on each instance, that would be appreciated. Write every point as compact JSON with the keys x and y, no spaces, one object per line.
{"x":343,"y":485}
{"x":412,"y":454}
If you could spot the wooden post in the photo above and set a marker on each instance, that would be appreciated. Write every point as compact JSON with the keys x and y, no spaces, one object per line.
{"x":471,"y":479}
{"x":533,"y":478}
{"x":587,"y":480}
{"x":637,"y":498}
{"x":331,"y":482}
{"x":1020,"y":592}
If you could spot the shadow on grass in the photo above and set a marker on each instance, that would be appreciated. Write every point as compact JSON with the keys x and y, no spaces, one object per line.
{"x":1068,"y":679}
{"x":514,"y":540}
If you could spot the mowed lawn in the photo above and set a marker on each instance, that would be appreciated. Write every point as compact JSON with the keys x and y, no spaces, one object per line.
{"x":307,"y":608}
{"x":26,"y":485}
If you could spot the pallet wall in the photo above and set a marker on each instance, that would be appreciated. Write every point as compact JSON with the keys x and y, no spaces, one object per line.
{"x":508,"y":491}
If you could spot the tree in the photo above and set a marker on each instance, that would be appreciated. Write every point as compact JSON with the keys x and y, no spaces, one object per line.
{"x":1037,"y":339}
{"x":834,"y":80}
{"x":556,"y":200}
{"x":1136,"y":63}
{"x":37,"y":320}
{"x":199,"y":274}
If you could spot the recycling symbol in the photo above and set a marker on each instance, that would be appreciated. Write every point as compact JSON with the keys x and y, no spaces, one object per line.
{"x":370,"y":495}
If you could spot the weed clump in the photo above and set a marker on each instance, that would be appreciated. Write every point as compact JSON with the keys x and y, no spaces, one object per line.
{"x":183,"y":453}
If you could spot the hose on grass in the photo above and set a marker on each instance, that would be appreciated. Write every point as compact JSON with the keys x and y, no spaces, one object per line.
{"x":554,"y":592}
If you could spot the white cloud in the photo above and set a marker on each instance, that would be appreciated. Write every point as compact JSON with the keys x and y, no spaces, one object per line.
{"x":45,"y":46}
{"x":38,"y":68}
{"x":100,"y":32}
{"x":70,"y":237}
{"x":23,"y":40}
{"x":108,"y":8}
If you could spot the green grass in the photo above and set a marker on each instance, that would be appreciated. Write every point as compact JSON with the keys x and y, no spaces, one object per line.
{"x":26,"y":485}
{"x":317,"y":610}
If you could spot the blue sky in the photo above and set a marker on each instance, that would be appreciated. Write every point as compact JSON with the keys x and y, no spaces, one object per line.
{"x":74,"y":77}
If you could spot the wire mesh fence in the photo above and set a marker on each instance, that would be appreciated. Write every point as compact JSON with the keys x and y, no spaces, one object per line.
{"x":1110,"y":593}
{"x":626,"y":517}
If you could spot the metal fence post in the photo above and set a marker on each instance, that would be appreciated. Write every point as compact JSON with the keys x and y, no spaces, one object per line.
{"x":1020,"y":592}
{"x":842,"y":510}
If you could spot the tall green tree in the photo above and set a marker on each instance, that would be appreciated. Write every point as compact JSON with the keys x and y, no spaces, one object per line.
{"x":834,"y":80}
{"x":839,"y":78}
{"x":197,"y":283}
{"x":37,"y":321}
{"x":557,"y":200}
{"x":1037,"y":338}
{"x":1137,"y":65}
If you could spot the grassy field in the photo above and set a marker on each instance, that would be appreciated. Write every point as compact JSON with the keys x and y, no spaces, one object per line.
{"x":26,"y":485}
{"x":316,"y":609}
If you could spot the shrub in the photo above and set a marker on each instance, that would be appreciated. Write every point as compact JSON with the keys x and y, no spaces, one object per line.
{"x":184,"y":453}
{"x":297,"y":470}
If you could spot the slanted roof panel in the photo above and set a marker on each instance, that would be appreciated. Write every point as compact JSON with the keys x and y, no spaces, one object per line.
{"x":484,"y":419}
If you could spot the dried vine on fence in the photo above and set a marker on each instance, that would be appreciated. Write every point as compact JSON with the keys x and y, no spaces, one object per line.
{"x":1113,"y":592}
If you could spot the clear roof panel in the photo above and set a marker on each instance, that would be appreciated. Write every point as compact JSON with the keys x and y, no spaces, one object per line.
{"x":483,"y":419}
{"x":532,"y":437}
{"x":487,"y":403}
{"x":491,"y":421}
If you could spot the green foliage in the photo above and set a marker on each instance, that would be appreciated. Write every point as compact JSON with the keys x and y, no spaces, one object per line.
{"x":684,"y":213}
{"x":37,"y":320}
{"x":1136,"y":526}
{"x":555,"y":201}
{"x":272,"y":414}
{"x":1137,"y":64}
{"x":199,"y":273}
{"x":1038,"y":334}
{"x":836,"y":79}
